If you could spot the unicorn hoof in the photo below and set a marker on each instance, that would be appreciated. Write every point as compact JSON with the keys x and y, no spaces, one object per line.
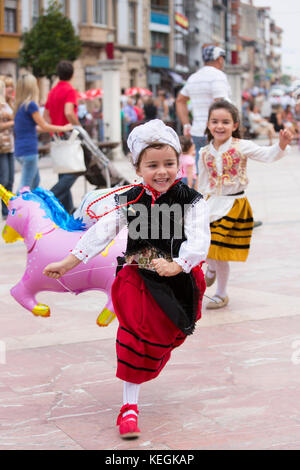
{"x":41,"y":310}
{"x":105,"y":317}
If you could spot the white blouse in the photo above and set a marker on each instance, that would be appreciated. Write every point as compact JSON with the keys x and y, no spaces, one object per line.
{"x":191,"y":253}
{"x":220,"y":204}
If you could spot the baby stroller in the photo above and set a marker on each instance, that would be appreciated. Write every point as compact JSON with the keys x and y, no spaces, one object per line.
{"x":100,"y":171}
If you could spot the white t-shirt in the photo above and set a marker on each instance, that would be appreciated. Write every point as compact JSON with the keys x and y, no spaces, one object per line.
{"x":203,"y":87}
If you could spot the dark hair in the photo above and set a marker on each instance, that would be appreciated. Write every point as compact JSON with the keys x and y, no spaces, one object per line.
{"x":233,"y":111}
{"x":186,"y":143}
{"x":65,"y":70}
{"x":157,"y":146}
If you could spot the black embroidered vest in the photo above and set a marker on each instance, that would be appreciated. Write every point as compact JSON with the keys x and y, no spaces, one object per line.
{"x":161,"y":225}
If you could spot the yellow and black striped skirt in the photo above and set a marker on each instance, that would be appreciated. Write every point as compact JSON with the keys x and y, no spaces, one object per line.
{"x":231,"y":235}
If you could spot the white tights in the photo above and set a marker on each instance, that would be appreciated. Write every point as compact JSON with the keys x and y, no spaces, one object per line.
{"x":222,"y":270}
{"x":130,"y":395}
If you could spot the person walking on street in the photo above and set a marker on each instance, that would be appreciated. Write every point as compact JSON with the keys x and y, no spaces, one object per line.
{"x":202,"y":88}
{"x":61,"y":109}
{"x":6,"y":146}
{"x":27,"y":118}
{"x":162,"y":106}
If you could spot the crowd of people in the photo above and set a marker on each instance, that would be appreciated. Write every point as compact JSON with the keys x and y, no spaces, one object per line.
{"x":265,"y":114}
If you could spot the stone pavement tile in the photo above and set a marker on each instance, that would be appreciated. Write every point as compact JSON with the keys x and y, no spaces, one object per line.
{"x":36,"y":437}
{"x":227,"y":380}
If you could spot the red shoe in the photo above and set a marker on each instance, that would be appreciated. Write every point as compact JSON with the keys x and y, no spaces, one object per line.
{"x":128,"y":425}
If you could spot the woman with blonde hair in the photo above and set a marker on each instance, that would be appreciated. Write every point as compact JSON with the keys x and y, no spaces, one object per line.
{"x":6,"y":145}
{"x":9,"y":89}
{"x":27,"y":118}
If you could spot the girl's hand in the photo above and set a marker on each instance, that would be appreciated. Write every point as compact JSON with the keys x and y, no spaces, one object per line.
{"x":285,"y":138}
{"x":58,"y":269}
{"x":166,"y":268}
{"x":55,"y":270}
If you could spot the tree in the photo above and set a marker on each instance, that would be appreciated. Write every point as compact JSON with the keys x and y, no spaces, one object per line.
{"x":51,"y":40}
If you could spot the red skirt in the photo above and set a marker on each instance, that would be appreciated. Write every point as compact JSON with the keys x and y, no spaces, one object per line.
{"x":146,"y":336}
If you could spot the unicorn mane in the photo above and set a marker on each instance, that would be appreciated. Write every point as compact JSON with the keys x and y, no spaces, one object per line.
{"x":54,"y":210}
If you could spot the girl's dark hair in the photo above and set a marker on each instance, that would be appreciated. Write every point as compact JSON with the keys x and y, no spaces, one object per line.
{"x":222,"y":104}
{"x":186,"y":143}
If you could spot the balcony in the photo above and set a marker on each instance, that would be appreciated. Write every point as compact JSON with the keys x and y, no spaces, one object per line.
{"x":160,"y":61}
{"x":159,"y":18}
{"x":10,"y":45}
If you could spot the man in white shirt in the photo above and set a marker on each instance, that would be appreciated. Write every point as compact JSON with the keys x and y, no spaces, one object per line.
{"x":202,"y":88}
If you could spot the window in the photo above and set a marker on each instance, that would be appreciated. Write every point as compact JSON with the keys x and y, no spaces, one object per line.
{"x":36,"y":10}
{"x":161,"y":5}
{"x":159,"y":43}
{"x":132,"y":23}
{"x":10,"y":16}
{"x":217,"y":27}
{"x":114,"y":13}
{"x":83,"y":11}
{"x":64,"y":7}
{"x":100,"y":12}
{"x":133,"y":78}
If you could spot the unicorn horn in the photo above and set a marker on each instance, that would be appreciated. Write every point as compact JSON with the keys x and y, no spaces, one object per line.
{"x":5,"y":194}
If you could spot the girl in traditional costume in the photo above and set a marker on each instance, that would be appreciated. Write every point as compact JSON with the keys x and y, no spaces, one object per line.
{"x":223,"y":180}
{"x":158,"y":292}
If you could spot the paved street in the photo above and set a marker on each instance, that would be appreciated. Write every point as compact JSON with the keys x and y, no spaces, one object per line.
{"x":233,"y":385}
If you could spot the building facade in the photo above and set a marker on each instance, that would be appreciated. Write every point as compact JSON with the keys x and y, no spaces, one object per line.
{"x":10,"y":36}
{"x":158,"y":41}
{"x":98,"y":22}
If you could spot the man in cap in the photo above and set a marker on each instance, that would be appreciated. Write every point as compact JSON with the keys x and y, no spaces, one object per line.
{"x":202,"y":88}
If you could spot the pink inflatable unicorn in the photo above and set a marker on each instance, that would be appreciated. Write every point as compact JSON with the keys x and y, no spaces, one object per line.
{"x":49,"y":234}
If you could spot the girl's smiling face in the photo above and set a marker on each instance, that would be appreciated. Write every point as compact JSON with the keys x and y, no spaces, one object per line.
{"x":158,"y":168}
{"x":221,"y":126}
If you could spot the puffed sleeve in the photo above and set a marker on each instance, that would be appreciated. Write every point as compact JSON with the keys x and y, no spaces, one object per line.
{"x":96,"y":238}
{"x":262,"y":153}
{"x":197,"y":231}
{"x":203,"y":180}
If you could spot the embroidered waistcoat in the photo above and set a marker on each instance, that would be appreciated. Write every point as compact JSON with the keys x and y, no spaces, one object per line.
{"x":151,"y":221}
{"x":234,"y":165}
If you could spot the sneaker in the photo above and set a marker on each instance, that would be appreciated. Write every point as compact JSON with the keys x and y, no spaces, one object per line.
{"x":210,"y":280}
{"x":128,"y":424}
{"x":218,"y":302}
{"x":257,"y":223}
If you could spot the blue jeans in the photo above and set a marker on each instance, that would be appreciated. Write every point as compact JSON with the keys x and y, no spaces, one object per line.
{"x":30,"y":175}
{"x":199,"y":143}
{"x":62,"y":190}
{"x":7,"y":173}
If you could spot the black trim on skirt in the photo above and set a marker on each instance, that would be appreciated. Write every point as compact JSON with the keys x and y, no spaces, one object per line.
{"x":178,"y":296}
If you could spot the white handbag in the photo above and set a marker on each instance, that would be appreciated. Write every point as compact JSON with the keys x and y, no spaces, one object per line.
{"x":67,"y":155}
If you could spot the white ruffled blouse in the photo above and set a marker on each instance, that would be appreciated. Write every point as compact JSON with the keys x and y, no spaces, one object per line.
{"x":221,"y":204}
{"x":192,"y":251}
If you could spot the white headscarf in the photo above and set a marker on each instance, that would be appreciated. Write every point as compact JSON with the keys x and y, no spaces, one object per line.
{"x":153,"y":131}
